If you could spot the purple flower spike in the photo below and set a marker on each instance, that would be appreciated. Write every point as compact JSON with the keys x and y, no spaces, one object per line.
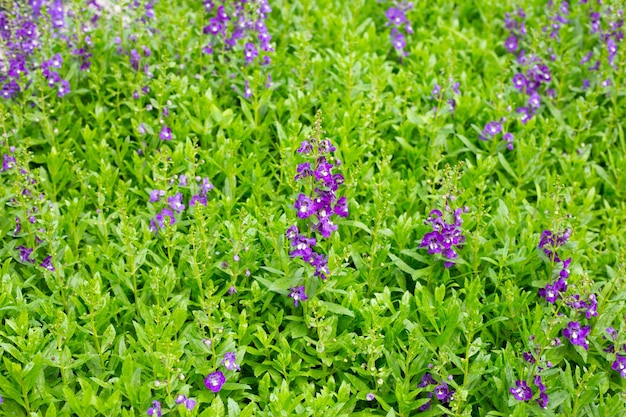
{"x":215,"y":381}
{"x":522,"y":391}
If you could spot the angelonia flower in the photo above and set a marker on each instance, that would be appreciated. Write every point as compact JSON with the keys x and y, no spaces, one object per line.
{"x":229,"y":361}
{"x":189,"y":403}
{"x":297,"y":294}
{"x":549,"y":243}
{"x":239,"y":29}
{"x":175,"y":202}
{"x":370,"y":396}
{"x":319,"y":207}
{"x":557,"y":18}
{"x":577,"y":334}
{"x":441,"y":391}
{"x":517,"y":30}
{"x":155,"y":410}
{"x":397,"y":18}
{"x":521,"y":391}
{"x":214,"y":381}
{"x":445,"y":237}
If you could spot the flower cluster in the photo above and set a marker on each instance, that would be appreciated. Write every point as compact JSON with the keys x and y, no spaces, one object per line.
{"x":189,"y":403}
{"x":517,"y":29}
{"x":22,"y":30}
{"x":445,"y":237}
{"x":522,"y":391}
{"x":400,"y":25}
{"x":619,"y":364}
{"x":549,"y":243}
{"x":537,"y":74}
{"x":441,"y":391}
{"x":318,"y":207}
{"x":574,"y":332}
{"x":174,"y":203}
{"x":240,"y":26}
{"x":19,"y":40}
{"x":557,"y":18}
{"x":28,"y":205}
{"x":215,"y":380}
{"x":611,"y":36}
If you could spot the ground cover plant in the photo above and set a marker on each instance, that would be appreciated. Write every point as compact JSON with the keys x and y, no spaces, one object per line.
{"x":338,"y":208}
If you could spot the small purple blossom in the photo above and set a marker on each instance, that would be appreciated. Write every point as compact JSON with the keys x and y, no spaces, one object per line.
{"x":298,"y":294}
{"x":619,"y":365}
{"x":155,"y":410}
{"x":521,"y":391}
{"x":215,"y":381}
{"x":47,"y":264}
{"x":229,"y":361}
{"x":166,"y":133}
{"x":577,"y":334}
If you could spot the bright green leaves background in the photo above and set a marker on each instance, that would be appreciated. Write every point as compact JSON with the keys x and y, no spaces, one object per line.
{"x":123,"y":319}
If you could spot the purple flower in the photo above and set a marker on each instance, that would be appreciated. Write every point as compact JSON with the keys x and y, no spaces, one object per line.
{"x":180,"y":398}
{"x":370,"y":396}
{"x":341,"y":207}
{"x":176,"y":202}
{"x":303,"y":247}
{"x":166,"y":133}
{"x":443,"y":392}
{"x":511,"y":44}
{"x":25,"y":254}
{"x":298,"y":294}
{"x":493,"y":128}
{"x":250,"y":52}
{"x":522,"y":391}
{"x":304,"y":170}
{"x":395,"y":16}
{"x":155,"y":410}
{"x":229,"y":361}
{"x":305,"y":148}
{"x":63,"y":88}
{"x":215,"y":381}
{"x":534,"y":101}
{"x":326,"y":227}
{"x":304,"y":206}
{"x":550,"y":293}
{"x":190,"y":404}
{"x":320,"y":262}
{"x":619,"y":365}
{"x":577,"y":334}
{"x":8,"y":162}
{"x":47,"y":263}
{"x":323,"y":171}
{"x":398,"y":41}
{"x":155,"y":195}
{"x":612,"y":332}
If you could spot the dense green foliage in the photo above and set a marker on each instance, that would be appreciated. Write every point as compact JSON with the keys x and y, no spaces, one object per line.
{"x":130,"y":316}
